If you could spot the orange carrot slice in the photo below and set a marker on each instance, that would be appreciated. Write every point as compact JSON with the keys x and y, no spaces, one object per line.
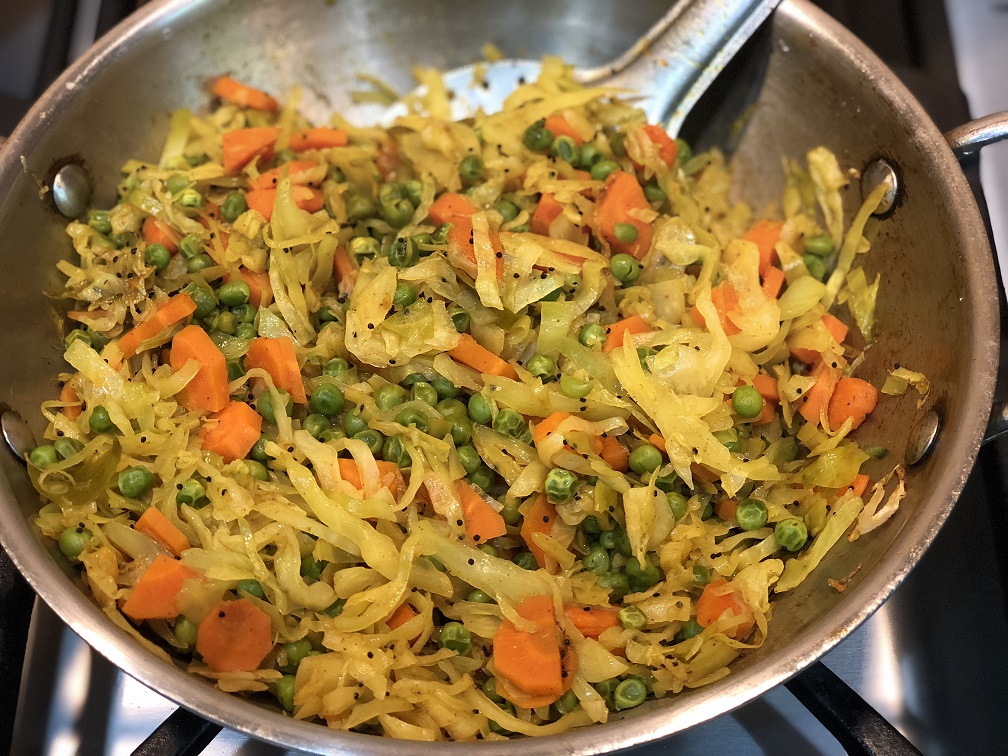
{"x":560,"y":126}
{"x":208,"y":390}
{"x":530,"y":661}
{"x":234,"y":636}
{"x":296,"y":170}
{"x":852,"y":399}
{"x":154,"y":595}
{"x":540,"y":518}
{"x":449,"y":206}
{"x":617,"y":332}
{"x":620,"y":195}
{"x":614,"y":453}
{"x":277,"y":357}
{"x":156,"y":231}
{"x":773,"y":282}
{"x":725,"y":300}
{"x":242,"y":145}
{"x":172,"y":312}
{"x":860,"y":484}
{"x":547,"y":211}
{"x":591,"y":621}
{"x":817,"y":397}
{"x":720,"y":596}
{"x":238,"y":428}
{"x":470,"y":352}
{"x":318,"y":138}
{"x":403,"y":614}
{"x":668,"y":150}
{"x":69,"y":394}
{"x":154,"y":524}
{"x":244,"y":96}
{"x":482,"y":522}
{"x":388,"y":472}
{"x":765,"y":234}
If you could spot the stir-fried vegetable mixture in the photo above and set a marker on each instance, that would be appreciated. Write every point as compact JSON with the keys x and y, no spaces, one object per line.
{"x":456,"y":430}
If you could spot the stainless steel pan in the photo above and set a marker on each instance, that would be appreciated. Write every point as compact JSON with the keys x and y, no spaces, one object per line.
{"x":813,"y":83}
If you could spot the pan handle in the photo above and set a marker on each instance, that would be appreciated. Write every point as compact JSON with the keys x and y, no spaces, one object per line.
{"x":970,"y":137}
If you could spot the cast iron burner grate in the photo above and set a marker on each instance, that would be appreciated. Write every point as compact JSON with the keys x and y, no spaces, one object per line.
{"x":913,"y":38}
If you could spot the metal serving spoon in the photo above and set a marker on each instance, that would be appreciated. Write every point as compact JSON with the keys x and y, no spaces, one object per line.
{"x":670,"y":67}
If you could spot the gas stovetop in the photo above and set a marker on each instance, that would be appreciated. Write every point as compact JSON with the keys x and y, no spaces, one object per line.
{"x":932,"y":660}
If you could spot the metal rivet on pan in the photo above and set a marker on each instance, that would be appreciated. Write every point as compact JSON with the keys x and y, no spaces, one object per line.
{"x":71,"y":190}
{"x":878,"y":172}
{"x":922,"y":438}
{"x":17,"y":434}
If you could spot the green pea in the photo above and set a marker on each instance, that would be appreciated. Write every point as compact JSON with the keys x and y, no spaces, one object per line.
{"x":482,"y":477}
{"x":284,"y":689}
{"x":645,"y":459}
{"x":537,"y":137}
{"x":677,"y":503}
{"x":708,"y":512}
{"x":389,"y":396}
{"x":311,"y":567}
{"x":375,"y":441}
{"x":77,"y":334}
{"x":264,"y":405}
{"x":480,"y":597}
{"x":403,"y":253}
{"x":190,"y":492}
{"x":488,"y":549}
{"x":596,"y":560}
{"x":820,"y":245}
{"x":327,"y":314}
{"x":622,"y":544}
{"x":67,"y":447}
{"x":624,"y":268}
{"x":564,"y":148}
{"x":397,"y":213}
{"x":701,"y":574}
{"x":413,"y":417}
{"x":73,"y":541}
{"x":601,"y":170}
{"x":251,"y":588}
{"x":751,"y":514}
{"x":245,"y":331}
{"x":747,"y":402}
{"x":629,"y":693}
{"x":135,"y":481}
{"x":185,"y":631}
{"x":510,"y":514}
{"x":353,"y":423}
{"x":617,"y":143}
{"x":542,"y":366}
{"x":572,"y":388}
{"x":606,"y":689}
{"x":336,"y":366}
{"x":469,"y":458}
{"x":632,"y":618}
{"x":157,"y":256}
{"x":446,"y":390}
{"x":456,"y":638}
{"x":479,"y":409}
{"x":654,"y":193}
{"x":625,"y":232}
{"x":590,"y":526}
{"x":471,"y":170}
{"x":691,"y":629}
{"x":685,"y":151}
{"x":98,"y":340}
{"x":412,"y":379}
{"x":526,"y":560}
{"x":200,"y":262}
{"x":327,"y":399}
{"x":411,"y":190}
{"x":589,"y":156}
{"x":190,"y":245}
{"x":560,"y":484}
{"x":508,"y":210}
{"x":510,"y":423}
{"x":452,"y":409}
{"x":440,"y":234}
{"x":607,"y":539}
{"x":284,"y":156}
{"x":335,"y":609}
{"x":393,"y":450}
{"x":359,"y":206}
{"x":567,"y":703}
{"x":791,"y":533}
{"x":553,"y":296}
{"x":258,"y":451}
{"x":460,"y":319}
{"x":227,"y":323}
{"x":332,"y":434}
{"x":424,"y":392}
{"x":616,"y":583}
{"x":43,"y":456}
{"x":878,"y":452}
{"x":404,"y":295}
{"x":233,"y":206}
{"x":316,"y":424}
{"x":461,"y":432}
{"x":297,"y":650}
{"x":234,"y":293}
{"x":489,"y":689}
{"x":816,"y":267}
{"x":641,"y":577}
{"x":99,"y":221}
{"x":204,"y":298}
{"x":592,"y":335}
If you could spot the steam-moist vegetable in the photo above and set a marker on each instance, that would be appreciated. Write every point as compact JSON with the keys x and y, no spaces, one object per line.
{"x":527,"y":394}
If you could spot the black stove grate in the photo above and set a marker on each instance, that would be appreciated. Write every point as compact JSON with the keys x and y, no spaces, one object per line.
{"x":912,"y":36}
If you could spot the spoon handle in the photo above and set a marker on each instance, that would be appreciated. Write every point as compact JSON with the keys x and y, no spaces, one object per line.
{"x":678,"y":58}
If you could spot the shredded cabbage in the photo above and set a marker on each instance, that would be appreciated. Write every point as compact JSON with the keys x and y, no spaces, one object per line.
{"x":589,"y":438}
